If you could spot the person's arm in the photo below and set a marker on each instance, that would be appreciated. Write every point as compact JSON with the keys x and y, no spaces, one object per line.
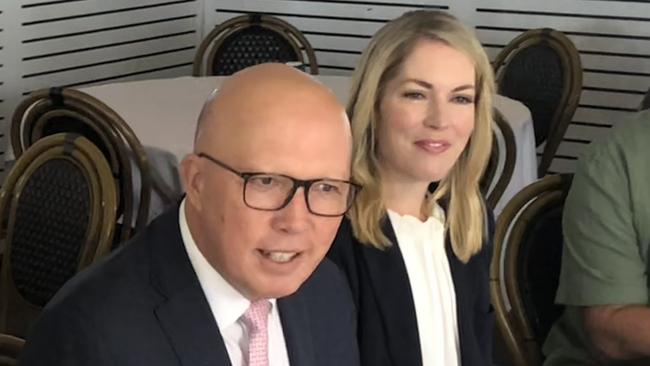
{"x":603,"y":270}
{"x":619,"y":332}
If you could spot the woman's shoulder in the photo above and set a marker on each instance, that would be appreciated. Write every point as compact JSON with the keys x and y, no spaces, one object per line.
{"x":342,"y":246}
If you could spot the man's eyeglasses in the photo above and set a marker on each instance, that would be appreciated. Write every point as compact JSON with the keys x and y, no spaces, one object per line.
{"x":272,"y":192}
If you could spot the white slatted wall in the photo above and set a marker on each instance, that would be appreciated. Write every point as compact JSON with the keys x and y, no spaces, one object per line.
{"x":613,"y":38}
{"x":80,"y":42}
{"x":84,"y":42}
{"x":338,"y":30}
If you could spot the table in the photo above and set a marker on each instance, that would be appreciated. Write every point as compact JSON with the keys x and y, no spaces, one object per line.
{"x":163,"y":114}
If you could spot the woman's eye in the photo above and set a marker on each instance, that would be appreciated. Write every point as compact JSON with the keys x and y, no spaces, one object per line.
{"x":463,"y":99}
{"x":414,"y":95}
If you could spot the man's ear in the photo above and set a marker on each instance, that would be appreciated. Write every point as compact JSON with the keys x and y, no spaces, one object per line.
{"x":193,"y":180}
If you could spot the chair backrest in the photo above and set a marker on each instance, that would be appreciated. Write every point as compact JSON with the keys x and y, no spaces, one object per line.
{"x":502,"y":160}
{"x":10,"y":348}
{"x":249,"y":40}
{"x":542,"y":69}
{"x":57,"y":211}
{"x":525,"y":268}
{"x":49,"y":111}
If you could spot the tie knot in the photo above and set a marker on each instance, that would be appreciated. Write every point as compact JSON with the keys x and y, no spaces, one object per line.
{"x":256,"y":317}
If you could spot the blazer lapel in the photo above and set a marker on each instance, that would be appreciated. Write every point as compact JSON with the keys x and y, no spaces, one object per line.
{"x":463,"y":281}
{"x":183,"y":312}
{"x":297,"y":330}
{"x":389,"y":281}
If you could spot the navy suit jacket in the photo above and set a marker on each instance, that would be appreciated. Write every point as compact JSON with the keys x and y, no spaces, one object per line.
{"x":145,"y":306}
{"x":387,"y":329}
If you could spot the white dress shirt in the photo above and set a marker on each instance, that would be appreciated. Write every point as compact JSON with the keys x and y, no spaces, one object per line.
{"x":423,"y":247}
{"x":228,"y":306}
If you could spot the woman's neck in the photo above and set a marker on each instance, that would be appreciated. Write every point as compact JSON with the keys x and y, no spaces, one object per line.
{"x":406,"y":197}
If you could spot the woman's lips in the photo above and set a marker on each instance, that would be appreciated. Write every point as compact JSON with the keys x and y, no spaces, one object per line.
{"x":433,"y":146}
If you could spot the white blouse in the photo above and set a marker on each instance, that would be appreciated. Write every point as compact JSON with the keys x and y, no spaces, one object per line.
{"x":423,"y":247}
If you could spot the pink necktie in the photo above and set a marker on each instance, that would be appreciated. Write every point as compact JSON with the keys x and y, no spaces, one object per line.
{"x":256,"y":319}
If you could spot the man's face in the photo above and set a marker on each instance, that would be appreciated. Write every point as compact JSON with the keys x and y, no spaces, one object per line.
{"x":269,"y":254}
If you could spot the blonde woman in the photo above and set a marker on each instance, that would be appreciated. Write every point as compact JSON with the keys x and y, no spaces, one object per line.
{"x":417,"y":253}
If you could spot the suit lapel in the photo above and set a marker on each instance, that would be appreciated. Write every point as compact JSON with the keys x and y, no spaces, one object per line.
{"x":297,"y":330}
{"x":463,"y":280}
{"x":183,"y":312}
{"x":389,"y":281}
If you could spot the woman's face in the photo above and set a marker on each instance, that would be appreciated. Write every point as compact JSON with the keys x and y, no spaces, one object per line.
{"x":426,"y":113}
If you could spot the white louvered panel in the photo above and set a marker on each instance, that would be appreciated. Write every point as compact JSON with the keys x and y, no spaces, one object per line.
{"x":600,"y":116}
{"x":577,"y":131}
{"x":163,"y":72}
{"x":342,"y":43}
{"x":616,"y":63}
{"x":338,"y":31}
{"x":492,"y":52}
{"x":36,"y":3}
{"x":107,"y":21}
{"x":338,"y":59}
{"x":94,"y":56}
{"x":564,"y":23}
{"x":610,"y":99}
{"x":90,"y":41}
{"x":613,"y":45}
{"x":320,"y":25}
{"x":584,"y":43}
{"x":81,"y":42}
{"x":569,"y":148}
{"x":72,"y":43}
{"x":496,"y":37}
{"x":322,"y":8}
{"x":586,"y":7}
{"x":87,"y":75}
{"x":405,"y":3}
{"x":163,"y":28}
{"x":613,"y":38}
{"x":616,"y":81}
{"x":87,"y":9}
{"x":561,"y":165}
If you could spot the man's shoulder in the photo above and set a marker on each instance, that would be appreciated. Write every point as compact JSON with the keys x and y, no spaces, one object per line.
{"x":119,"y":275}
{"x":326,"y":282}
{"x":627,"y":140}
{"x":110,"y":279}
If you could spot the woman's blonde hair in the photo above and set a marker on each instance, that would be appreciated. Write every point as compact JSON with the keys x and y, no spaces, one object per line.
{"x":379,"y":64}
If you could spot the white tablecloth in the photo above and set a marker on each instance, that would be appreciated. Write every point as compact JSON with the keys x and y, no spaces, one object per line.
{"x":163,"y":114}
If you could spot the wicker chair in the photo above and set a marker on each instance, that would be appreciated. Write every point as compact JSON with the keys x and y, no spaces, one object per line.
{"x":541,"y":68}
{"x":10,"y":348}
{"x":49,"y":111}
{"x":57,"y":211}
{"x":502,"y":161}
{"x":525,"y":267}
{"x":249,"y":40}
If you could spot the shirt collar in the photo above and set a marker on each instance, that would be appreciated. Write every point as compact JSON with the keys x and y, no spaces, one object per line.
{"x":227,"y":304}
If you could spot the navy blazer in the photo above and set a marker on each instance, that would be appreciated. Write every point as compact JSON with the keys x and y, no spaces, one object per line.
{"x":145,"y":306}
{"x":387,"y":329}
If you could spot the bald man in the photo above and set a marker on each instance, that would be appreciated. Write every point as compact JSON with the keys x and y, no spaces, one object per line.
{"x":235,"y":274}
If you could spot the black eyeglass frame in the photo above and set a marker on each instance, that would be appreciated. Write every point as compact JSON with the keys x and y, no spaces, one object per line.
{"x":297,"y":183}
